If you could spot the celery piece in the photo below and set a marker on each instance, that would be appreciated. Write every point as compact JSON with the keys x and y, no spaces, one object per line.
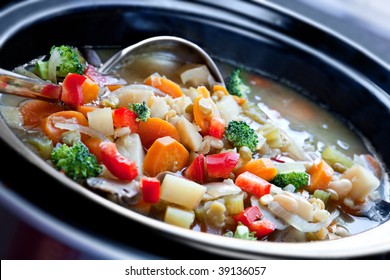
{"x":41,"y":69}
{"x":179,"y":217}
{"x":288,"y":167}
{"x":43,"y":145}
{"x":235,"y":203}
{"x":323,"y":195}
{"x":332,"y":156}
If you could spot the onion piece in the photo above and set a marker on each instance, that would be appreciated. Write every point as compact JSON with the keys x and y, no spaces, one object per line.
{"x":140,"y":87}
{"x":83,"y":129}
{"x":280,"y":224}
{"x":219,"y":189}
{"x":297,"y":222}
{"x":54,"y":61}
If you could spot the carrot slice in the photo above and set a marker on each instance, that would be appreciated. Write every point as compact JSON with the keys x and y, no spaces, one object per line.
{"x":90,"y":91}
{"x":166,"y":154}
{"x":262,"y":167}
{"x":218,"y":87}
{"x":54,"y":133}
{"x":93,"y":145}
{"x":34,"y":111}
{"x":164,"y":84}
{"x":113,"y":87}
{"x":239,"y":100}
{"x":320,"y":175}
{"x":155,"y":128}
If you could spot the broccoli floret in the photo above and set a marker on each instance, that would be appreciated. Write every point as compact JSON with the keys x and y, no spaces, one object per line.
{"x":75,"y":161}
{"x":241,"y":134}
{"x":297,"y":179}
{"x":70,"y":61}
{"x":235,"y":84}
{"x":142,"y":111}
{"x":242,"y":232}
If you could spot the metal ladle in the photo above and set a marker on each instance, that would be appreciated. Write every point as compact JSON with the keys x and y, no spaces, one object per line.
{"x":176,"y":48}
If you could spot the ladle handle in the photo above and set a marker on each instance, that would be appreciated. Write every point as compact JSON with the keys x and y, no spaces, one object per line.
{"x":15,"y":84}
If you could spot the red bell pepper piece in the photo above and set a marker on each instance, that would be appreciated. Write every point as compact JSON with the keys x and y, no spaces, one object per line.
{"x":150,"y":189}
{"x":72,"y":92}
{"x":248,"y":216}
{"x":217,"y":127}
{"x":52,"y":91}
{"x":196,"y":171}
{"x":221,"y":165}
{"x":120,"y":166}
{"x":253,"y":184}
{"x":125,"y":117}
{"x":262,"y":227}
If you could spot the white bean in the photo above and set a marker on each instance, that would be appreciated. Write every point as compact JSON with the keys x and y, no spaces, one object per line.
{"x":342,"y":187}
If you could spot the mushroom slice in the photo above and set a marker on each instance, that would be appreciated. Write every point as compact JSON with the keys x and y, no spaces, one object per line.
{"x":123,"y":193}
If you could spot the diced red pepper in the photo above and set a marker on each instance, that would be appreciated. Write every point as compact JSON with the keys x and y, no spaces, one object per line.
{"x":262,"y":227}
{"x":253,"y":184}
{"x":72,"y":92}
{"x":120,"y":166}
{"x":52,"y":91}
{"x":125,"y":117}
{"x":196,"y":171}
{"x":150,"y":189}
{"x":248,"y":216}
{"x":221,"y":165}
{"x":217,"y":127}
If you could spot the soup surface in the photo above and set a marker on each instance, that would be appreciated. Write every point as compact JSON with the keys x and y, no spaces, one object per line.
{"x":251,"y":159}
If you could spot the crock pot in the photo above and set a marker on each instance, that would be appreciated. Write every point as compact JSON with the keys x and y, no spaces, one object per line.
{"x":318,"y":63}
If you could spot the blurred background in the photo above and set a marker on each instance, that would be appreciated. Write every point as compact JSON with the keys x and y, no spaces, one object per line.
{"x":367,"y":22}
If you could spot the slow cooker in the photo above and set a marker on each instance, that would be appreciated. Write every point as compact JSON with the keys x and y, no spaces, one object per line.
{"x":44,"y":216}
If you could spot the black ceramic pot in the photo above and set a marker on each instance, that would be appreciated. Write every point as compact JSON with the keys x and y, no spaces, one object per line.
{"x":312,"y":60}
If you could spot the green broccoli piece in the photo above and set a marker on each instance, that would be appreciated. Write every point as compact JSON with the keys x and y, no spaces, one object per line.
{"x":142,"y":111}
{"x":70,"y":60}
{"x":297,"y":179}
{"x":75,"y":161}
{"x":242,"y":232}
{"x":235,"y":84}
{"x":241,"y":134}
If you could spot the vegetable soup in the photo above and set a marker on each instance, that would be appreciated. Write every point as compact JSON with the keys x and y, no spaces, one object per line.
{"x":249,"y":159}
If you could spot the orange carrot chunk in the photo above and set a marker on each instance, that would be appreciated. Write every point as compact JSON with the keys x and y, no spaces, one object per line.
{"x":164,"y":84}
{"x":262,"y":167}
{"x":34,"y":111}
{"x":92,"y":144}
{"x":320,"y":175}
{"x":155,"y":128}
{"x":166,"y":154}
{"x":90,"y":91}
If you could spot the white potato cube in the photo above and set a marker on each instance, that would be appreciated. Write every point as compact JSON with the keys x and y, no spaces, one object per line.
{"x":180,"y":191}
{"x":129,"y":95}
{"x":101,"y":120}
{"x":228,"y":108}
{"x":179,"y":217}
{"x":363,"y":182}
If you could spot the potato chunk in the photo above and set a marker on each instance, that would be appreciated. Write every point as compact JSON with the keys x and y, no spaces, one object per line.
{"x":180,"y":191}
